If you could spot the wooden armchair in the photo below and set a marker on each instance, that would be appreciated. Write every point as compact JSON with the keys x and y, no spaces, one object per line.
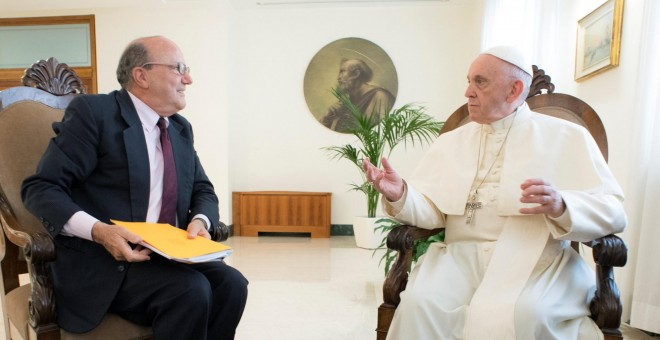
{"x":609,"y":251}
{"x":26,"y":117}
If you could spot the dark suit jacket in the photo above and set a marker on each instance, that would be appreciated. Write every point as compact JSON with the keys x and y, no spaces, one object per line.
{"x":98,"y":163}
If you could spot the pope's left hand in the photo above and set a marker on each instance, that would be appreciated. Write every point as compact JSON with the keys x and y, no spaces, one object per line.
{"x":542,"y":192}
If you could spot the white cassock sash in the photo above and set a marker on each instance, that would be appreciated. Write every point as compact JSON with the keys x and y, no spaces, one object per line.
{"x":491,"y":311}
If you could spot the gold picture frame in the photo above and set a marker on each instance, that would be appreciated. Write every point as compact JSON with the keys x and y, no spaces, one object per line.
{"x":599,"y":40}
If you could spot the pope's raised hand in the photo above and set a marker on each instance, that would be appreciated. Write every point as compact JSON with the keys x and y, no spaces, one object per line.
{"x":386,"y":181}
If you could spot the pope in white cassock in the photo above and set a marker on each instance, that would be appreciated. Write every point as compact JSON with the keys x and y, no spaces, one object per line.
{"x":512,"y":188}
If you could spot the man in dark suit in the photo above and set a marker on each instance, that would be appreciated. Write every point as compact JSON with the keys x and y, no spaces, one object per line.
{"x":107,"y":162}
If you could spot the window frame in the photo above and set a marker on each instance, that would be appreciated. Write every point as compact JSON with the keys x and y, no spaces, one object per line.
{"x":11,"y":77}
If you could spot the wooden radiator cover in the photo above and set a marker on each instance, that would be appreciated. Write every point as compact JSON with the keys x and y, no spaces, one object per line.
{"x":281,"y":211}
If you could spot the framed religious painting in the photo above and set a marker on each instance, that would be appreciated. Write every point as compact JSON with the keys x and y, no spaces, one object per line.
{"x":599,"y":40}
{"x":357,"y":67}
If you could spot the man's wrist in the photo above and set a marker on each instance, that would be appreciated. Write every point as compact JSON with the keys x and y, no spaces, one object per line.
{"x":206,"y":225}
{"x":95,"y":232}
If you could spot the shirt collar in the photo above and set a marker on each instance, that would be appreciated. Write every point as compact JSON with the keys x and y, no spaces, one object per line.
{"x":148,"y":117}
{"x":516,"y":117}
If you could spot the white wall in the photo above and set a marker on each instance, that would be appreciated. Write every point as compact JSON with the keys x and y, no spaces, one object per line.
{"x":252,"y":126}
{"x":275,"y":141}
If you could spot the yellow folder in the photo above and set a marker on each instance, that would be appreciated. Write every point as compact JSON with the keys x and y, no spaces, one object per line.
{"x":173,"y":243}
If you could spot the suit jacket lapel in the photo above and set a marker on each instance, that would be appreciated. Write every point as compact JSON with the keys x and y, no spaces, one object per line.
{"x":137,"y":158}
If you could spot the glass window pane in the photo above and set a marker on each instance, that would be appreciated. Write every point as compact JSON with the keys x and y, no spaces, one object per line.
{"x":68,"y":43}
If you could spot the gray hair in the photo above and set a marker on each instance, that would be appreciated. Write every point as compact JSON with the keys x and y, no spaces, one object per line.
{"x":517,"y":73}
{"x":134,"y":55}
{"x":366,"y":74}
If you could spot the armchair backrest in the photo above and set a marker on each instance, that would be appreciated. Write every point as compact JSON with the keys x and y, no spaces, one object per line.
{"x":26,"y":117}
{"x":25,"y":130}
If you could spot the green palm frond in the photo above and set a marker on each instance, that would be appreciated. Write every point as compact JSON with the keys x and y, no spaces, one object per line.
{"x":346,"y":151}
{"x":379,"y":136}
{"x":364,"y":187}
{"x":409,"y":124}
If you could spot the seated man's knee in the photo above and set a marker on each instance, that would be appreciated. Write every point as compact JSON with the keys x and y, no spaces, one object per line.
{"x":233,"y":280}
{"x":235,"y":287}
{"x":191,"y":289}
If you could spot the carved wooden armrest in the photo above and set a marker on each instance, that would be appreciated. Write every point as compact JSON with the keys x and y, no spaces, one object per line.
{"x":608,"y":251}
{"x":39,"y":250}
{"x":401,"y":240}
{"x":219,"y":233}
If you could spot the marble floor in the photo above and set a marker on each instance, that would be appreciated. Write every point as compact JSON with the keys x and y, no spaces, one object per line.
{"x":303,"y":288}
{"x":313,"y":289}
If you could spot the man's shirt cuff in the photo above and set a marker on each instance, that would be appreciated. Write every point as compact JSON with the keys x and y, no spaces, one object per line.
{"x":80,"y":225}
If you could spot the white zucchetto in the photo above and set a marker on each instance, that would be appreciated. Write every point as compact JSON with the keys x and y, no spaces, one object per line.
{"x":511,"y":55}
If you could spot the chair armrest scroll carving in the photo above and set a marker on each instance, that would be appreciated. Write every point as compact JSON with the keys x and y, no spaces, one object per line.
{"x":401,"y":239}
{"x":606,"y":308}
{"x":219,"y":233}
{"x":39,"y":250}
{"x":609,"y":250}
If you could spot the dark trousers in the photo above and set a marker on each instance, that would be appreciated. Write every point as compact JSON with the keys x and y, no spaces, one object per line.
{"x":183,"y":301}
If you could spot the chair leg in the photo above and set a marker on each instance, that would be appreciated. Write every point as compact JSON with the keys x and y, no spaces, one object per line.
{"x":612,"y":334}
{"x":51,"y":332}
{"x":385,"y":315}
{"x":613,"y":337}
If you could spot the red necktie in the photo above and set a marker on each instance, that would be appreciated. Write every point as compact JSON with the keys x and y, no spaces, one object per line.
{"x":168,"y":207}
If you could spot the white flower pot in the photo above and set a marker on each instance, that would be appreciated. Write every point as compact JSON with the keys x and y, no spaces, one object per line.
{"x":365,"y":235}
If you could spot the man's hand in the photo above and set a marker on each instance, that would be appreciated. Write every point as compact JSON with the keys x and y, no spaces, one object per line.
{"x":117,"y":240}
{"x":385,"y":181}
{"x":540,"y":191}
{"x":197,"y":228}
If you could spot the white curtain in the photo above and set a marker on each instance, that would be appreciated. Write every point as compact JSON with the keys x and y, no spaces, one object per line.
{"x":529,"y":25}
{"x":644,"y":197}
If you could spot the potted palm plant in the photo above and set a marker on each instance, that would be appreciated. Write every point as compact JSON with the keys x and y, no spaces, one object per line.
{"x":377,"y":137}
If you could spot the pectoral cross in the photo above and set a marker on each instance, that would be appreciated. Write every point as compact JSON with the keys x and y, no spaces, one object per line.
{"x":471,"y":206}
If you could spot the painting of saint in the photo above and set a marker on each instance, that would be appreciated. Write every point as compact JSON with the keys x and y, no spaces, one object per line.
{"x":357,"y":68}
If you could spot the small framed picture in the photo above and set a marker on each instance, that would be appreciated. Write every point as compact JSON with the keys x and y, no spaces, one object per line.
{"x":598,"y":40}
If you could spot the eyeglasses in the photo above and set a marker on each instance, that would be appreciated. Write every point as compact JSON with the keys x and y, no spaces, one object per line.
{"x":182,"y":68}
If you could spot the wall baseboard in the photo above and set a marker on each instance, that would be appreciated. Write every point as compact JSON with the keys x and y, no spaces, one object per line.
{"x":335,"y":230}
